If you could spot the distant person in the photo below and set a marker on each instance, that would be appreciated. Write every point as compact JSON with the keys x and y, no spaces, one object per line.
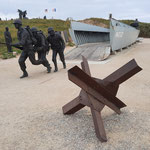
{"x":8,"y":39}
{"x":135,"y":24}
{"x":57,"y":45}
{"x":44,"y":17}
{"x":26,"y":42}
{"x":41,"y":47}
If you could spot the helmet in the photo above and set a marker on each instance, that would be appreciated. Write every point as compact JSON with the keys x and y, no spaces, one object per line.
{"x":50,"y":29}
{"x":7,"y":28}
{"x":17,"y":21}
{"x":33,"y":29}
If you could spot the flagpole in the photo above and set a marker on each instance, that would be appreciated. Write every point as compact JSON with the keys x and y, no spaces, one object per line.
{"x":46,"y":11}
{"x":53,"y":10}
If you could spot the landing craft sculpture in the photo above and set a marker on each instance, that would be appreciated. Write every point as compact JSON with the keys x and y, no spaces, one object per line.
{"x":97,"y":93}
{"x":119,"y":36}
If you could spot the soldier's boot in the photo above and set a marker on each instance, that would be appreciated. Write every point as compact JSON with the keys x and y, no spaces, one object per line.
{"x":49,"y":69}
{"x":25,"y":74}
{"x":64,"y":65}
{"x":56,"y":68}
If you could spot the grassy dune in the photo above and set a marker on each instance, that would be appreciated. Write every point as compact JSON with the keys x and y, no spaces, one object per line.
{"x":58,"y":25}
{"x":41,"y":24}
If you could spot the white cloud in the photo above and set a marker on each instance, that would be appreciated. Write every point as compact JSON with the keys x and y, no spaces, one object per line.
{"x":78,"y":9}
{"x":7,"y":16}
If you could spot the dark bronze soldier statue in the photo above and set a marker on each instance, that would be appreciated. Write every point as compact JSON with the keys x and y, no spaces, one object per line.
{"x":135,"y":24}
{"x":26,"y":42}
{"x":20,"y":13}
{"x":57,"y":45}
{"x":8,"y":39}
{"x":41,"y":47}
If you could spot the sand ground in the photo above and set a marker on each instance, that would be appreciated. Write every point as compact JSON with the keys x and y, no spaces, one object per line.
{"x":31,"y":115}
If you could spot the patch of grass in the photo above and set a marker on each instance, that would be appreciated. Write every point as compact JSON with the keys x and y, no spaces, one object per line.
{"x":58,"y":25}
{"x":6,"y":55}
{"x":40,"y":24}
{"x":70,"y":43}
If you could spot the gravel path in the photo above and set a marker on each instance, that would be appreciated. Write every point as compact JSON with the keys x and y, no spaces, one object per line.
{"x":31,"y":115}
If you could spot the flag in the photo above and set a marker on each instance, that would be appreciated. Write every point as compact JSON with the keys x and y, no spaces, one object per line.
{"x":46,"y":10}
{"x":54,"y":9}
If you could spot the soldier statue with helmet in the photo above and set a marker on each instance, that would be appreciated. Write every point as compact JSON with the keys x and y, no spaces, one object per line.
{"x":57,"y":45}
{"x":26,"y":43}
{"x":8,"y":39}
{"x":41,"y":47}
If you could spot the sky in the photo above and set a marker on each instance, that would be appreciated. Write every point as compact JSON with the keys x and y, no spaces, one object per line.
{"x":77,"y":9}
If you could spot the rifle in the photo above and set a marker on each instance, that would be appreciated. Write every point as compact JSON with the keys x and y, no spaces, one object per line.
{"x":2,"y":43}
{"x":19,"y":47}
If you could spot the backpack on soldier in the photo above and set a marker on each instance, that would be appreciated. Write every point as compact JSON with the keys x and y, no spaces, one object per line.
{"x":47,"y":47}
{"x":34,"y":41}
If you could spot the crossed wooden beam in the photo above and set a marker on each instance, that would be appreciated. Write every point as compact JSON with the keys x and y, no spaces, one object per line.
{"x":97,"y":93}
